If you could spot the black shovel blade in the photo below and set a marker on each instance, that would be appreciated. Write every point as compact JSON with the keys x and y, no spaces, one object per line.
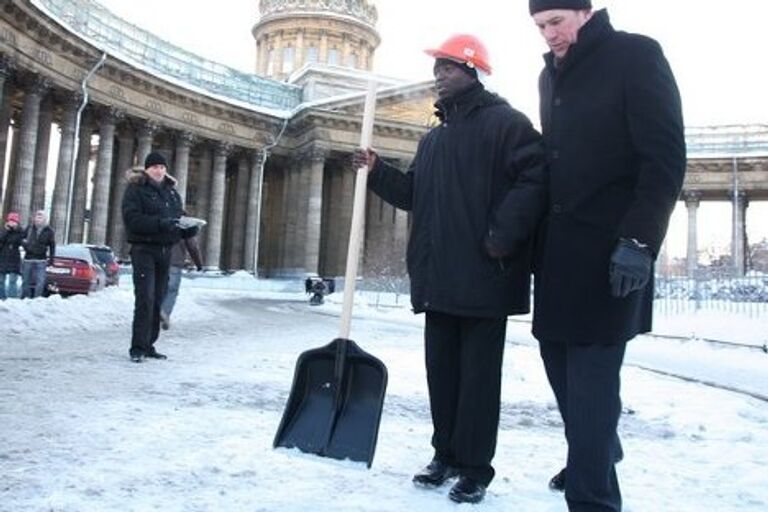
{"x":342,"y":425}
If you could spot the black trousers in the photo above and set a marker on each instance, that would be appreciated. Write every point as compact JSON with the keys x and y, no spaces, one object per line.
{"x":463,"y":358}
{"x":586,"y":383}
{"x":150,"y":279}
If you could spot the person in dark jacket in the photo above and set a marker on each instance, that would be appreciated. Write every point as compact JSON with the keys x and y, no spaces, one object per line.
{"x":151,"y":210}
{"x":11,"y":237}
{"x":613,"y":127}
{"x":39,"y":249}
{"x":473,"y":176}
{"x":178,"y":260}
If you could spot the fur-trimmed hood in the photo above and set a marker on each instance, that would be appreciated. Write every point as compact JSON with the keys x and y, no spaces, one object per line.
{"x":138,"y":176}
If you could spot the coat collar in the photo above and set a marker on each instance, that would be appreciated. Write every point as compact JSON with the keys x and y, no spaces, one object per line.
{"x":591,"y":35}
{"x":464,"y":103}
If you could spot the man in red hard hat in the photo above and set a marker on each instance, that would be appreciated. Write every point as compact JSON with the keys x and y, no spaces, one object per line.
{"x":613,"y":126}
{"x":474,"y":178}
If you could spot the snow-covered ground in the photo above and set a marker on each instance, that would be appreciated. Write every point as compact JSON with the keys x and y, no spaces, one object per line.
{"x":83,"y":429}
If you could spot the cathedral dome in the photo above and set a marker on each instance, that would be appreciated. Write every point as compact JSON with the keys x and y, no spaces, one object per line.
{"x":291,"y":34}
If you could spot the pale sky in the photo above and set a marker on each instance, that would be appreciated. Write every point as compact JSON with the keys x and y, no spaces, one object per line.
{"x":716,"y":50}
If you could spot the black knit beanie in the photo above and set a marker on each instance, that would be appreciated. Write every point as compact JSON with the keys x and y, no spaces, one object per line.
{"x":154,"y":159}
{"x":545,"y":5}
{"x":468,"y":70}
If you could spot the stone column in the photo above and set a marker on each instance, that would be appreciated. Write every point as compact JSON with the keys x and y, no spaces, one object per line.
{"x":286,"y":208}
{"x":5,"y":123}
{"x":253,"y":214}
{"x":298,"y":57}
{"x":277,"y":65}
{"x":71,"y":103}
{"x":25,"y":164}
{"x":323,"y":57}
{"x":184,"y":141}
{"x":241,"y":211}
{"x":146,"y":133}
{"x":314,"y":209}
{"x":739,"y":233}
{"x":346,"y":204}
{"x":80,"y":189}
{"x":692,"y":258}
{"x":40,"y":173}
{"x":103,"y":177}
{"x":126,"y":146}
{"x":216,"y":212}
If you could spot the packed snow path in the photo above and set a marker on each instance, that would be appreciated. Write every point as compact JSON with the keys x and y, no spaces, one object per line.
{"x":84,"y":429}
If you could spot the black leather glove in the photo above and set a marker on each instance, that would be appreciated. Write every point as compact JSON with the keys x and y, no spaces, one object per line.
{"x":630,"y":267}
{"x":168,"y":224}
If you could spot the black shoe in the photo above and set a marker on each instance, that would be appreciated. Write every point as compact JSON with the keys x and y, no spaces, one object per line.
{"x":467,"y":490}
{"x":154,"y":354}
{"x":137,"y":357}
{"x":434,"y":475}
{"x":557,"y":483}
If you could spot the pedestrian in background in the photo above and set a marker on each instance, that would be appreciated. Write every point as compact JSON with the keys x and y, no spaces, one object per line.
{"x":11,"y":236}
{"x":473,"y":178}
{"x":612,"y":123}
{"x":151,"y":210}
{"x":39,"y":249}
{"x":178,"y":261}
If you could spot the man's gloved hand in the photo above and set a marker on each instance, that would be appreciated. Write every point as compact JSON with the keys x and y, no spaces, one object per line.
{"x":630,"y":267}
{"x":168,"y":224}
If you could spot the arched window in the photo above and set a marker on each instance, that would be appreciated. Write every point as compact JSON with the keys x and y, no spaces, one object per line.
{"x":333,"y":56}
{"x":313,"y":54}
{"x":288,"y":59}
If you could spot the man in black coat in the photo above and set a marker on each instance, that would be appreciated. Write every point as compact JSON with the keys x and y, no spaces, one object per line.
{"x":612,"y":124}
{"x":11,"y":236}
{"x":151,"y":210}
{"x":473,"y":177}
{"x":39,"y":249}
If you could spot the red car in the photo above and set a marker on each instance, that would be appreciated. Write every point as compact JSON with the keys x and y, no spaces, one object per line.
{"x":74,"y":270}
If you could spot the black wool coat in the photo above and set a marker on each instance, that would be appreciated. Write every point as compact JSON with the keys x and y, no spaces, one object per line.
{"x":476,"y":174}
{"x":612,"y":123}
{"x":39,"y":243}
{"x":145,"y":204}
{"x":10,"y":256}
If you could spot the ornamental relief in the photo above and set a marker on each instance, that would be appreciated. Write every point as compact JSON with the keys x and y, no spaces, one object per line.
{"x":360,"y":9}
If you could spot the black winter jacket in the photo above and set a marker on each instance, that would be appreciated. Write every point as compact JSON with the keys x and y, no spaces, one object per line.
{"x":146,"y":204}
{"x":39,"y":244}
{"x":478,"y":173}
{"x":612,"y":123}
{"x":10,"y":256}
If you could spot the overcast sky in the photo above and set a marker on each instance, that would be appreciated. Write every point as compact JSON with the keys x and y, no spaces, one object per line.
{"x":716,"y":48}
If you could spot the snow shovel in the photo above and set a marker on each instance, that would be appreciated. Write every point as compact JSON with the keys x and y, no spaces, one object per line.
{"x":334,"y":407}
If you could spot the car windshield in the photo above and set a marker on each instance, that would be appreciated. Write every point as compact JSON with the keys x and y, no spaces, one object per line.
{"x":74,"y":251}
{"x":103,"y":256}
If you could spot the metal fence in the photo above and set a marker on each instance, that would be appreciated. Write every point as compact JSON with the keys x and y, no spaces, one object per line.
{"x":708,"y":291}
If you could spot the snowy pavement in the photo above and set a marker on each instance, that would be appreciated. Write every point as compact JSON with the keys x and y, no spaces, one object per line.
{"x":84,"y":429}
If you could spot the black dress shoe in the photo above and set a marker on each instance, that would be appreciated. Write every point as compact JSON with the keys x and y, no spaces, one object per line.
{"x":434,"y":475}
{"x":137,"y":358}
{"x":467,"y":490}
{"x":154,"y":354}
{"x":557,"y":483}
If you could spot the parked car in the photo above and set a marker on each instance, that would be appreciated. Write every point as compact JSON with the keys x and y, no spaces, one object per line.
{"x":106,"y":259}
{"x":74,"y":270}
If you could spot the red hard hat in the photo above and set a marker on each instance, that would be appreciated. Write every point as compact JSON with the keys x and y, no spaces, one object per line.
{"x":465,"y":49}
{"x":13,"y":217}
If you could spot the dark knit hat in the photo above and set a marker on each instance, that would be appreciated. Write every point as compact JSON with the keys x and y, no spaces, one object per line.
{"x":154,"y":159}
{"x":545,"y":5}
{"x":468,"y":70}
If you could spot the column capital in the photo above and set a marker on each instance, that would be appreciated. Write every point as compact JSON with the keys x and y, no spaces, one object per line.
{"x":7,"y":66}
{"x":32,"y":83}
{"x":185,"y":139}
{"x":109,"y":114}
{"x":692,"y":198}
{"x":146,"y":129}
{"x":222,"y":148}
{"x":125,"y":131}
